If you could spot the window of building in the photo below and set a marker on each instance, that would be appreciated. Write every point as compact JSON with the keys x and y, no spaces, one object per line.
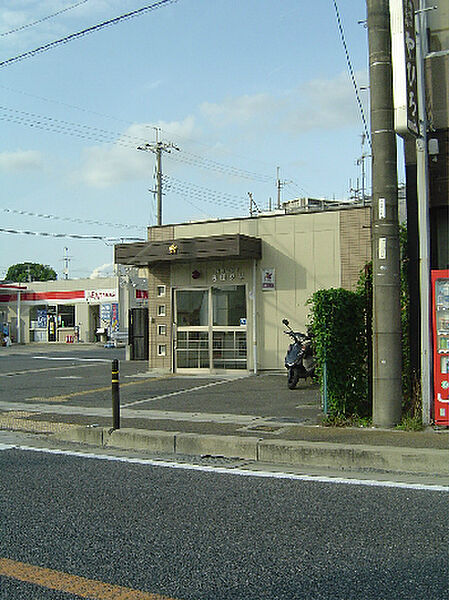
{"x":66,"y":315}
{"x":162,"y":330}
{"x":192,"y":350}
{"x":162,"y":350}
{"x":192,"y":308}
{"x":38,"y":317}
{"x":228,"y":305}
{"x":161,"y":310}
{"x":161,"y":290}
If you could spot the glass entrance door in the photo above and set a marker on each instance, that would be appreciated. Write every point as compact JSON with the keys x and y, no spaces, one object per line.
{"x":210,"y":328}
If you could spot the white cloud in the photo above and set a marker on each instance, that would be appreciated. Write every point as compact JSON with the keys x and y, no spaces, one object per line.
{"x":104,"y":166}
{"x":320,"y":104}
{"x":102,"y":271}
{"x":239,"y":110}
{"x":323,"y":104}
{"x":181,"y":129}
{"x":22,"y":160}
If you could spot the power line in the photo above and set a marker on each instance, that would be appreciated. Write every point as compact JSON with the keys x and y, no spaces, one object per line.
{"x":22,"y":27}
{"x":190,"y":160}
{"x":204,"y":194}
{"x":60,"y":126}
{"x":212,"y":165}
{"x":70,"y":219}
{"x":110,"y":137}
{"x":203,"y":190}
{"x":351,"y":71}
{"x":75,"y":236}
{"x":73,"y":36}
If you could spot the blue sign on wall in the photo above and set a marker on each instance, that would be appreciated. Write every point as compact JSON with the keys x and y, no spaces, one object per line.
{"x":42,"y":318}
{"x":106,"y":313}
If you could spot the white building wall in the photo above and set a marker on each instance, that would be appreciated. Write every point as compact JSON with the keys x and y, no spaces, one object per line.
{"x":304,"y":250}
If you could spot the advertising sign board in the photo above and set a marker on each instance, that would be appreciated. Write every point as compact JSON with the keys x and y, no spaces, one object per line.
{"x":268,"y":279}
{"x":403,"y":55}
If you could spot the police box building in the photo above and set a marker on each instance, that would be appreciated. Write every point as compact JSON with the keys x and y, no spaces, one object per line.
{"x":218,"y":290}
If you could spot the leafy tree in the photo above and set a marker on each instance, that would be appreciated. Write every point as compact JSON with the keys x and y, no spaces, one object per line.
{"x":28,"y":271}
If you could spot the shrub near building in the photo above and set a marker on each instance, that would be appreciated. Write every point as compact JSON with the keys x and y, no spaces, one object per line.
{"x":338,"y":323}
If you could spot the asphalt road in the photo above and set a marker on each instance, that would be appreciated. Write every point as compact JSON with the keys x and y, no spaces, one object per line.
{"x":191,"y":534}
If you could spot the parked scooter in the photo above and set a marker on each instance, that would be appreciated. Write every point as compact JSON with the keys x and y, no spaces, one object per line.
{"x":299,"y":359}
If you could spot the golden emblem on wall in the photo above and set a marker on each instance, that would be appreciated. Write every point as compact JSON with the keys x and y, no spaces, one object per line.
{"x":173,"y":249}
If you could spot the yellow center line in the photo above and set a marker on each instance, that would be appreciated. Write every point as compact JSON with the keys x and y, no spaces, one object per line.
{"x":106,"y":388}
{"x":72,"y":584}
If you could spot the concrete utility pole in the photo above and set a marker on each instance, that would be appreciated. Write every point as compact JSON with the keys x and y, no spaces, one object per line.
{"x":66,"y":260}
{"x":387,"y":356}
{"x":279,"y":185}
{"x":157,"y":148}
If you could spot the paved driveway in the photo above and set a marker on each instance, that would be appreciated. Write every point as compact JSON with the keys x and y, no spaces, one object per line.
{"x":73,"y":383}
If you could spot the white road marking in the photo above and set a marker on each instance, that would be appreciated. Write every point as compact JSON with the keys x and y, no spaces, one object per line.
{"x":185,"y":391}
{"x":72,"y":358}
{"x":43,"y":370}
{"x":231,"y":471}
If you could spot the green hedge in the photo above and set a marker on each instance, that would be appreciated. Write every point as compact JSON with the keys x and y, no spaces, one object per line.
{"x":341,"y":322}
{"x":338,"y":323}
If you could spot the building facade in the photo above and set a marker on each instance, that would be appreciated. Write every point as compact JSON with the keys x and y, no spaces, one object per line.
{"x":70,"y":310}
{"x":218,"y":290}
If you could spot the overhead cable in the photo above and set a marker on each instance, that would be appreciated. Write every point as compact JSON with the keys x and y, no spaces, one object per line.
{"x":203,"y":195}
{"x":179,"y":183}
{"x":70,"y":219}
{"x":351,"y":71}
{"x":74,"y":236}
{"x":73,"y":36}
{"x":103,"y":136}
{"x":41,"y":20}
{"x":257,"y":176}
{"x":213,"y":165}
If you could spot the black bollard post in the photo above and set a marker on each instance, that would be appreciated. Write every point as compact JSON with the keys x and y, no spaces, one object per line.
{"x":115,"y":395}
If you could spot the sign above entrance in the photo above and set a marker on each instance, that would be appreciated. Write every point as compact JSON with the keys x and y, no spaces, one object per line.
{"x":100,"y":295}
{"x":229,"y":274}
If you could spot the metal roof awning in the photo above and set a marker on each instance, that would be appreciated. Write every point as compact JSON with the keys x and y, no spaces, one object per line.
{"x":217,"y":247}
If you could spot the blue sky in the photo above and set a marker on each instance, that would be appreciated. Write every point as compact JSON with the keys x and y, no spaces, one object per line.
{"x":241,"y":87}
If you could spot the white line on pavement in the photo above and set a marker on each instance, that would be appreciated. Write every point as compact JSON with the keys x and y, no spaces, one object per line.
{"x":239,"y":472}
{"x":43,"y":370}
{"x":72,"y":358}
{"x":185,"y":391}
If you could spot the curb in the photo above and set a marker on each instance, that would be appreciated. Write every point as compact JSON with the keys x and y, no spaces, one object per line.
{"x":425,"y":461}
